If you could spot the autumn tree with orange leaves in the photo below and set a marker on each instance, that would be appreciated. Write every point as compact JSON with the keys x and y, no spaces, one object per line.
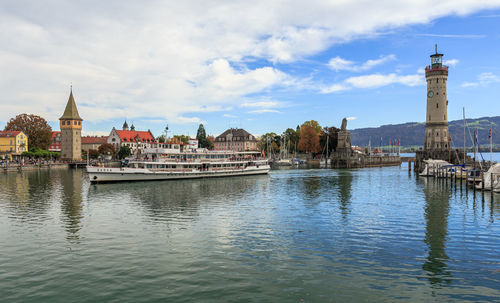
{"x":35,"y":127}
{"x":309,"y":139}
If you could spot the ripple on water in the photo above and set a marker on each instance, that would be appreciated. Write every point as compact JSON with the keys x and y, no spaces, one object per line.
{"x":318,"y":235}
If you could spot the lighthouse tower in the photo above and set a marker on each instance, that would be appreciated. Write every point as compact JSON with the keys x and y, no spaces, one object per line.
{"x":437,"y":137}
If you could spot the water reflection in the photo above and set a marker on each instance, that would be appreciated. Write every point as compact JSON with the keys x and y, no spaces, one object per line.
{"x":437,"y":208}
{"x":28,"y":194}
{"x":71,"y":202}
{"x":344,"y":192}
{"x":182,"y":198}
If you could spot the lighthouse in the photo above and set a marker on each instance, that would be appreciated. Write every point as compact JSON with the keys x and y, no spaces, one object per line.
{"x":437,"y":137}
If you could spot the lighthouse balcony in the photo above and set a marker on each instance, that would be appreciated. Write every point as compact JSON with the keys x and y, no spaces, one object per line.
{"x":431,"y":68}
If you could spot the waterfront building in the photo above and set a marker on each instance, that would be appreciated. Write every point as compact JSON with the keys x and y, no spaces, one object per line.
{"x":134,"y":139}
{"x":437,"y":136}
{"x":90,"y":142}
{"x":71,"y":132}
{"x":12,"y":143}
{"x":55,"y":143}
{"x":236,"y":139}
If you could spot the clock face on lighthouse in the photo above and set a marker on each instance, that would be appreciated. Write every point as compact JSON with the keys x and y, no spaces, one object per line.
{"x":430,"y":94}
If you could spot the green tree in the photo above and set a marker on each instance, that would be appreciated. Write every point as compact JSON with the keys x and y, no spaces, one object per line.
{"x":182,"y":138}
{"x":161,"y":139}
{"x":107,"y":149}
{"x":292,"y":138}
{"x":201,"y":136}
{"x":315,"y":125}
{"x":332,"y":134}
{"x":267,"y":140}
{"x":124,"y":152}
{"x":35,"y":127}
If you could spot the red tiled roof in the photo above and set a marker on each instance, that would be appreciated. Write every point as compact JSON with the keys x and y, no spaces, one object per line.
{"x":9,"y":133}
{"x":54,"y":134}
{"x":94,"y":140}
{"x":131,"y":135}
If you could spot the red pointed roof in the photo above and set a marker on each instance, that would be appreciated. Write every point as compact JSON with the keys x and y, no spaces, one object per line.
{"x":131,"y":135}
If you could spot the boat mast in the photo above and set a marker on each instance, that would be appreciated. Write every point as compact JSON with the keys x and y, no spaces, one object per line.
{"x":465,"y":153}
{"x":491,"y":144}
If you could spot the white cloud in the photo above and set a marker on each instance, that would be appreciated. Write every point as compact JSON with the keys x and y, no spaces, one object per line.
{"x":483,"y":79}
{"x":229,"y":116}
{"x":338,"y":63}
{"x":263,"y":111}
{"x":173,"y":60}
{"x":374,"y":81}
{"x":453,"y":36}
{"x":351,"y":118}
{"x":451,"y":62}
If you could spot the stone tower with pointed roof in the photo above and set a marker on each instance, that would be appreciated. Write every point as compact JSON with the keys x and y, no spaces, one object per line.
{"x":71,"y":131}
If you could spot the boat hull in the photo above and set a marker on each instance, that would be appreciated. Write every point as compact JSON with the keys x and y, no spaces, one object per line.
{"x":103,"y":175}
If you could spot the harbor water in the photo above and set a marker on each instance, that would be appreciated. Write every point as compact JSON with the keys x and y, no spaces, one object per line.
{"x":315,"y":235}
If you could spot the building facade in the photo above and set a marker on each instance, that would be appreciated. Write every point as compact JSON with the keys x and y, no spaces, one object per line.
{"x":90,"y":142}
{"x":13,"y":143}
{"x":437,"y":136}
{"x":135,"y":140}
{"x":71,"y":132}
{"x":55,"y":143}
{"x":236,"y":139}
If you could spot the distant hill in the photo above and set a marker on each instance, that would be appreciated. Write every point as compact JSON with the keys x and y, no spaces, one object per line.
{"x":412,"y":133}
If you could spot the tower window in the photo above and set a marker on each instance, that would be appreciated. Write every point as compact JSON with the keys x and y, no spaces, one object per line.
{"x":437,"y":80}
{"x":429,"y":117}
{"x":437,"y":105}
{"x":445,"y":117}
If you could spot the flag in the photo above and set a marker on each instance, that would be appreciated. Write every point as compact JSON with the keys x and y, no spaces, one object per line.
{"x":399,"y":142}
{"x":476,"y":135}
{"x":489,"y":135}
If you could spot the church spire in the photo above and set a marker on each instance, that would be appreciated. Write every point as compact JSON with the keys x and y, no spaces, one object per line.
{"x":71,"y":112}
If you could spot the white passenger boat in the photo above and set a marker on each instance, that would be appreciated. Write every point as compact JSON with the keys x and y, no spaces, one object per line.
{"x":168,"y":164}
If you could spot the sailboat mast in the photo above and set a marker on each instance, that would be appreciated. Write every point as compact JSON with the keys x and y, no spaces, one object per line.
{"x":491,"y":144}
{"x":465,"y":153}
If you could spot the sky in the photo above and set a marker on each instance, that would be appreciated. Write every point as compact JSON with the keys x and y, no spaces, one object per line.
{"x":260,"y":65}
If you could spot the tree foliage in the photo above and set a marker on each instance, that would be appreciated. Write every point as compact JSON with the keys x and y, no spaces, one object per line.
{"x":107,"y":149}
{"x":201,"y":136}
{"x":315,"y":125}
{"x":309,"y":139}
{"x":292,"y":138}
{"x":267,"y":140}
{"x":161,"y":139}
{"x":182,"y":138}
{"x":332,"y":134}
{"x":211,"y":140}
{"x":36,"y":152}
{"x":124,"y":152}
{"x":35,"y":127}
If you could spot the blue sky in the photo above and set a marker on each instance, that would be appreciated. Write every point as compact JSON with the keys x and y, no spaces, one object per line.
{"x":250,"y":64}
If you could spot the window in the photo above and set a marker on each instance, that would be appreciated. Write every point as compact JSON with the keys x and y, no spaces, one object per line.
{"x":437,"y":105}
{"x":429,"y":117}
{"x":437,"y":80}
{"x":74,"y":122}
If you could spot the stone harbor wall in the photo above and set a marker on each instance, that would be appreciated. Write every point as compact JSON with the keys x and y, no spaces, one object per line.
{"x":356,"y":160}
